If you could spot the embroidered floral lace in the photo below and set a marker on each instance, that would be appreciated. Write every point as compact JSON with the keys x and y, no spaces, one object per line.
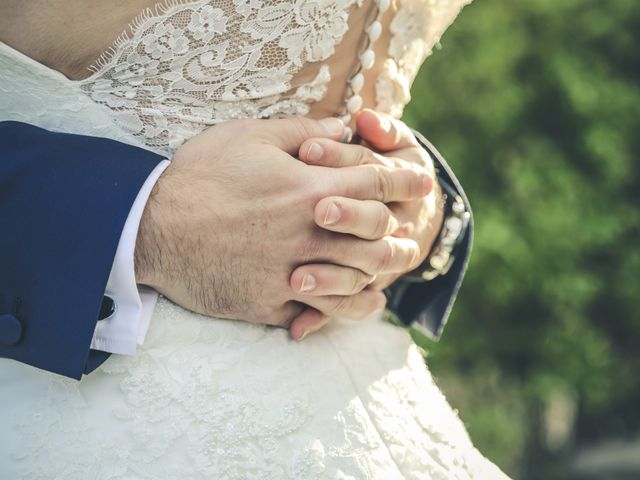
{"x":192,"y":64}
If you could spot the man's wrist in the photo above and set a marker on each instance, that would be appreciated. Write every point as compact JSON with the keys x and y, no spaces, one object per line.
{"x":146,"y":256}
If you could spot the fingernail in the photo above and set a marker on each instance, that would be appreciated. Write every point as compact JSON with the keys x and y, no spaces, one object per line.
{"x":305,"y":333}
{"x":308,"y":283}
{"x":315,"y":152}
{"x":347,"y":135}
{"x":333,"y":215}
{"x":333,"y":126}
{"x":310,"y":330}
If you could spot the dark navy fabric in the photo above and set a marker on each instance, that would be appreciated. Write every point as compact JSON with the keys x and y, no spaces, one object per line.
{"x":64,"y":200}
{"x":429,"y":304}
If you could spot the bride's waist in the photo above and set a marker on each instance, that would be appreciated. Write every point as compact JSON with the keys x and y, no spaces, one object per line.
{"x":181,"y":341}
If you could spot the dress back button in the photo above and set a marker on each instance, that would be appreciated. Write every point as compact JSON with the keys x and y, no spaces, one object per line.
{"x":10,"y":329}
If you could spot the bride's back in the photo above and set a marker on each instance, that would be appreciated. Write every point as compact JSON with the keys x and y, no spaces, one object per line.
{"x":169,"y":69}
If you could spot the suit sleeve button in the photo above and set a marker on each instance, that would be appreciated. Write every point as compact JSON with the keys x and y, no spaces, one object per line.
{"x":10,"y":329}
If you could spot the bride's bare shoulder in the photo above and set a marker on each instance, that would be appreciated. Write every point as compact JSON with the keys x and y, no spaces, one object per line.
{"x":66,"y":35}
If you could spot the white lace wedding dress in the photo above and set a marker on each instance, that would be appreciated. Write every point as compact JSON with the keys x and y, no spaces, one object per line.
{"x":218,"y":399}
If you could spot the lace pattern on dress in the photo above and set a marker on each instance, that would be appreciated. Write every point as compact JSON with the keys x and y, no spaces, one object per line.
{"x":201,"y":63}
{"x":208,"y":398}
{"x":415,"y":29}
{"x":194,"y":391}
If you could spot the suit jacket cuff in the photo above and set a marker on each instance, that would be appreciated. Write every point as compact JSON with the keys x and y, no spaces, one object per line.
{"x":428,"y":305}
{"x":65,"y":201}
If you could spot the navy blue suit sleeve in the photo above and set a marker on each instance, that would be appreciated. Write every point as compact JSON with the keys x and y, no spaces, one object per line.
{"x":64,"y":200}
{"x":429,"y":304}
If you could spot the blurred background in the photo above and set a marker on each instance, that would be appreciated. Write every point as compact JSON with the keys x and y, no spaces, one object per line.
{"x":536,"y":105}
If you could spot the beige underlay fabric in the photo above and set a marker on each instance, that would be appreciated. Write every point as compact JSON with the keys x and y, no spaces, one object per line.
{"x":206,"y":398}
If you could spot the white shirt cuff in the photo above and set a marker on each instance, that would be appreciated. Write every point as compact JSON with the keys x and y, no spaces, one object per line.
{"x":123,"y":331}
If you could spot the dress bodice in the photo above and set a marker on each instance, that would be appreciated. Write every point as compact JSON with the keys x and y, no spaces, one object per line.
{"x":185,"y":65}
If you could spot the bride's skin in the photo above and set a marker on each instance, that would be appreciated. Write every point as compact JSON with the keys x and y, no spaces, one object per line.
{"x":66,"y":35}
{"x":69,"y":35}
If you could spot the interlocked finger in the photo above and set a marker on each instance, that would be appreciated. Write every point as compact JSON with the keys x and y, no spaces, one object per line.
{"x":288,"y":134}
{"x":377,"y":182}
{"x":328,"y":279}
{"x":374,"y":257}
{"x":329,"y":153}
{"x":325,"y":152}
{"x":310,"y":320}
{"x":354,"y":306}
{"x":365,"y":219}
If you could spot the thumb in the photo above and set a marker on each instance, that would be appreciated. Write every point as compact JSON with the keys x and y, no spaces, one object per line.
{"x":289,"y":133}
{"x":383,"y":132}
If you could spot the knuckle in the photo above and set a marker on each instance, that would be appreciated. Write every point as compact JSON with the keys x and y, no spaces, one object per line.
{"x":381,"y":184}
{"x":342,"y":305}
{"x":357,"y":281}
{"x":358,"y":156}
{"x":364,"y":156}
{"x":301,"y":126}
{"x":385,"y":259}
{"x":382,"y":222}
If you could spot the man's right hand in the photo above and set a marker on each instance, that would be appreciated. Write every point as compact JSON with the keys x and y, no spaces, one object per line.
{"x":233,"y":215}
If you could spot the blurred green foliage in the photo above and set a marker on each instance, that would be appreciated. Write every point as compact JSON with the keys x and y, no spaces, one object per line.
{"x":536,"y":105}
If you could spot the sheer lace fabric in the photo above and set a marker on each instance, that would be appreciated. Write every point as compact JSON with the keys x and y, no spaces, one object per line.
{"x":191,"y":64}
{"x":201,"y":63}
{"x":209,"y":398}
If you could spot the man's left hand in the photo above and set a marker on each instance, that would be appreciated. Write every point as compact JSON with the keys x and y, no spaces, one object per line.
{"x":384,"y":141}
